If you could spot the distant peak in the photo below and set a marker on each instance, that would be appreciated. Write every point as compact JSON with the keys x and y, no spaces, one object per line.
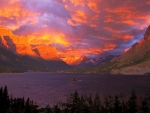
{"x":147,"y":34}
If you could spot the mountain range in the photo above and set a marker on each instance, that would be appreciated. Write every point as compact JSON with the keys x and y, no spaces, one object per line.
{"x":16,"y":53}
{"x":135,"y":61}
{"x":84,"y":61}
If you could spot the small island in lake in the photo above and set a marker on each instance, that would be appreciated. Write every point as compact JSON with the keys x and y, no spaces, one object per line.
{"x":73,"y":79}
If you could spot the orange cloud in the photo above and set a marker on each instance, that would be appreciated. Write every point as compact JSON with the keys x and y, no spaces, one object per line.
{"x":130,"y":22}
{"x":80,"y":16}
{"x":109,"y":46}
{"x":72,"y":23}
{"x":93,"y":5}
{"x":78,"y":2}
{"x":109,"y":19}
{"x":79,"y":52}
{"x":83,"y":12}
{"x":112,"y":30}
{"x":125,"y":37}
{"x":93,"y":20}
{"x":148,"y":3}
{"x":95,"y":51}
{"x":128,"y":13}
{"x":15,"y":11}
{"x":48,"y":39}
{"x":86,"y":51}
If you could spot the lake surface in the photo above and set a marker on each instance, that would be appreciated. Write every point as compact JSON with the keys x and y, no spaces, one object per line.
{"x":48,"y":88}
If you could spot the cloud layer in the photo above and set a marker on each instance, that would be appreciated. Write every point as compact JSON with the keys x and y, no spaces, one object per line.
{"x":78,"y":27}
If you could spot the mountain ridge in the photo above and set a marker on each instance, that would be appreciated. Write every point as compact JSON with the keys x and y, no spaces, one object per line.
{"x":84,"y":61}
{"x":17,"y":53}
{"x":136,"y":60}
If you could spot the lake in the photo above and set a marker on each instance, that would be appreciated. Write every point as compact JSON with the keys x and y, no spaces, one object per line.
{"x":48,"y":88}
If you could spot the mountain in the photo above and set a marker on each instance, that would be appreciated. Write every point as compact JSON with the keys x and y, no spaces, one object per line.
{"x":74,"y":60}
{"x":135,"y":61}
{"x":83,"y":61}
{"x":23,"y":63}
{"x":46,"y":52}
{"x":16,"y":53}
{"x":17,"y":44}
{"x":88,"y":62}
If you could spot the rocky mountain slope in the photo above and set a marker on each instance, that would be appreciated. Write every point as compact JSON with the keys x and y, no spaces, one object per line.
{"x":137,"y":59}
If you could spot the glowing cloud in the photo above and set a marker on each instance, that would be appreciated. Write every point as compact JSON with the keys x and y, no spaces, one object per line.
{"x":79,"y":27}
{"x":48,"y":39}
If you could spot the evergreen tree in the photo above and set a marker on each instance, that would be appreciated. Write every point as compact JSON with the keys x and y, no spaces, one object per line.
{"x":5,"y":100}
{"x":76,"y":103}
{"x":145,"y":106}
{"x":83,"y":105}
{"x":56,"y":109}
{"x":90,"y":103}
{"x":108,"y":104}
{"x":97,"y":104}
{"x":132,"y":103}
{"x":48,"y":109}
{"x":117,"y":107}
{"x":27,"y":106}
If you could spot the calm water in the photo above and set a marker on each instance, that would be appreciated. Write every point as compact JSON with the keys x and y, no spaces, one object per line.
{"x":48,"y":88}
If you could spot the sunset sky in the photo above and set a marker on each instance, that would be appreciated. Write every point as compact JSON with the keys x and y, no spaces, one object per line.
{"x":78,"y":27}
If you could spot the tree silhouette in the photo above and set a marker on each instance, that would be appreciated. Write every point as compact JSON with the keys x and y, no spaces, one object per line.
{"x":117,"y":106}
{"x":132,"y":103}
{"x":97,"y":104}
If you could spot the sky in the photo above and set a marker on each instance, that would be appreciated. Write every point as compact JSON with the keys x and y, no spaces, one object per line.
{"x":78,"y":27}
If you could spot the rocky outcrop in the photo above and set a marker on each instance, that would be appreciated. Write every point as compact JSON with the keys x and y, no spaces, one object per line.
{"x":46,"y":52}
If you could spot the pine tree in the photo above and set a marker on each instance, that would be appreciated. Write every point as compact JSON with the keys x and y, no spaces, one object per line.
{"x":132,"y":103}
{"x":76,"y":102}
{"x":97,"y":104}
{"x":89,"y":103}
{"x":27,"y":106}
{"x":48,"y":109}
{"x":83,"y":106}
{"x":56,"y":109}
{"x":5,"y":100}
{"x":145,"y":107}
{"x":117,"y":107}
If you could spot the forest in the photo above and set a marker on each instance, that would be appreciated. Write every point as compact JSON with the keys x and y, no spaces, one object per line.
{"x":78,"y":104}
